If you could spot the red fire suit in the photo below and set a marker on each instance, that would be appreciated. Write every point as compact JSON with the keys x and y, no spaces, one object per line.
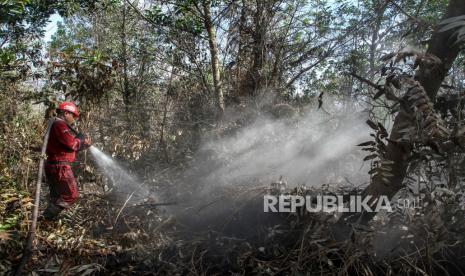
{"x":61,"y":151}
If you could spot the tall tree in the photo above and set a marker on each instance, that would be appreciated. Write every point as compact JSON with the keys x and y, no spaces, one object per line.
{"x":214,"y":57}
{"x":442,"y":45}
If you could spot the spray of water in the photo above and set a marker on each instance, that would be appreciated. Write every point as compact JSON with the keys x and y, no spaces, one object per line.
{"x":125,"y":183}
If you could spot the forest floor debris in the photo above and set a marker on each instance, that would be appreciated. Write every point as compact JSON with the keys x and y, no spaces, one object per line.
{"x":149,"y":241}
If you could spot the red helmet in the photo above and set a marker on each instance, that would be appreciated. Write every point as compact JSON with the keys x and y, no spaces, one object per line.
{"x":70,"y":107}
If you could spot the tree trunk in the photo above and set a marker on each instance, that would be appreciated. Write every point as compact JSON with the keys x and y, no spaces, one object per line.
{"x":276,"y":77}
{"x":253,"y":81}
{"x":241,"y":55}
{"x":124,"y":59}
{"x":214,"y":57}
{"x":379,"y":9}
{"x":430,"y":77}
{"x":258,"y":51}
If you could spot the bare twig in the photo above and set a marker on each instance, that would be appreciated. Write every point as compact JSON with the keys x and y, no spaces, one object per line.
{"x":404,"y":12}
{"x":362,"y":79}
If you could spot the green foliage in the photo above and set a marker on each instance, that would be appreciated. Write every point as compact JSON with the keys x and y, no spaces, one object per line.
{"x":12,"y":10}
{"x":180,"y":18}
{"x":9,"y":223}
{"x":7,"y":61}
{"x":7,"y":56}
{"x":86,"y":77}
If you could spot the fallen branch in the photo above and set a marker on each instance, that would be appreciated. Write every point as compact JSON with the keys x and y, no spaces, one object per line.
{"x":153,"y":204}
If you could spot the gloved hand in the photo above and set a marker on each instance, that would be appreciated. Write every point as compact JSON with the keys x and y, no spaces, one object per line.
{"x":81,"y":136}
{"x":85,"y":141}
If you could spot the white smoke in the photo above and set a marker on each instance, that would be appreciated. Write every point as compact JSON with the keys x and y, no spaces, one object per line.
{"x":224,"y":183}
{"x":311,"y":149}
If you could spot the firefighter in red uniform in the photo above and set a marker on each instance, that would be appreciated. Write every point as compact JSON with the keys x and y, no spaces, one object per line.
{"x":62,"y":146}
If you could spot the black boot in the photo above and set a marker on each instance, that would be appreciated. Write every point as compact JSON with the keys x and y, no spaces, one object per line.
{"x":51,"y":212}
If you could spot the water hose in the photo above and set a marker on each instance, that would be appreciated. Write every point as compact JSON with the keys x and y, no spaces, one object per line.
{"x":28,"y":250}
